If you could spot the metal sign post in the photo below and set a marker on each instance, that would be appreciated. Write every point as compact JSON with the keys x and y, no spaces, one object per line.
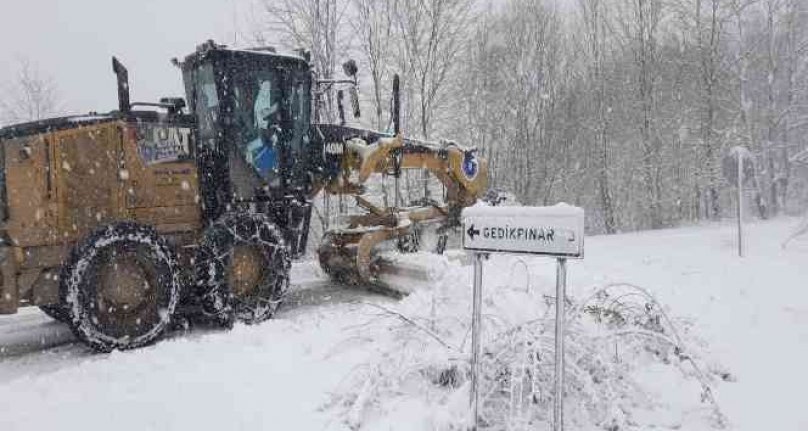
{"x":475,"y":335}
{"x":556,"y":231}
{"x":740,"y":204}
{"x":561,"y":287}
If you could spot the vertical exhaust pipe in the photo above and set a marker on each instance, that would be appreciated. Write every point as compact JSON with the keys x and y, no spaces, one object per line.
{"x":340,"y":107}
{"x":123,"y":85}
{"x":396,"y":106}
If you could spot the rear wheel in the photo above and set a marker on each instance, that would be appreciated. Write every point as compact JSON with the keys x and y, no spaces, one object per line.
{"x":242,"y":269}
{"x":120,"y":287}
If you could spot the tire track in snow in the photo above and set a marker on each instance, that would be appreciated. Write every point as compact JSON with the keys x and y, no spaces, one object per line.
{"x":30,"y":331}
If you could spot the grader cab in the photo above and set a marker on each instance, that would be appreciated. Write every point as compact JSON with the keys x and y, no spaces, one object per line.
{"x":117,"y":223}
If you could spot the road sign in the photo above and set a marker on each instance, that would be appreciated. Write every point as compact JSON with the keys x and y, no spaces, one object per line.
{"x":556,"y":231}
{"x":738,"y":160}
{"x":551,"y":231}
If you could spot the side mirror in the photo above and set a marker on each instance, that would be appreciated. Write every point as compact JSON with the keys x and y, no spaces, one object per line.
{"x":350,"y":68}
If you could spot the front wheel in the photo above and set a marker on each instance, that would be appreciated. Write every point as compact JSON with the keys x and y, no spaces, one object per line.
{"x":242,"y":269}
{"x":120,"y":287}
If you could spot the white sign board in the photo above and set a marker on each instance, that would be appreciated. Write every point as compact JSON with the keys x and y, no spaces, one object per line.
{"x":551,"y":231}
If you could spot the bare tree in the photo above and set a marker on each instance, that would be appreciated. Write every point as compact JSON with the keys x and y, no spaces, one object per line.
{"x":316,"y":25}
{"x":744,"y":127}
{"x":431,"y":34}
{"x":31,"y":96}
{"x":780,"y":38}
{"x":640,"y":23}
{"x":373,"y":24}
{"x":531,"y":68}
{"x":796,"y":62}
{"x":480,"y":93}
{"x":708,"y":42}
{"x":594,"y":18}
{"x":771,"y":118}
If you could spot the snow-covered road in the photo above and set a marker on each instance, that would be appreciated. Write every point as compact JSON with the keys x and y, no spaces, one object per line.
{"x":287,"y":373}
{"x":30,"y":330}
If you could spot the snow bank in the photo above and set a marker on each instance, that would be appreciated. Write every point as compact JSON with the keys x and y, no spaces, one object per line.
{"x":613,"y":338}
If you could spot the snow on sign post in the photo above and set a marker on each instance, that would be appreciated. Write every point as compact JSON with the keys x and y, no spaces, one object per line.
{"x":556,"y":231}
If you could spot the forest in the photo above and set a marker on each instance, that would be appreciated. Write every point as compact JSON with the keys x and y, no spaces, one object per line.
{"x":624,"y":107}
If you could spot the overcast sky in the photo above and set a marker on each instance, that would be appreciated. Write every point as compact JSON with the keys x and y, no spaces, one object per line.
{"x":73,"y":41}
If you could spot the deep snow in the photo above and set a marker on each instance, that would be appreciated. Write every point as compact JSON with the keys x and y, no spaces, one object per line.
{"x":750,"y":315}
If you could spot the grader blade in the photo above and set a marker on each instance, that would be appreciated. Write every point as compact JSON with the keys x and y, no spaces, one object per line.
{"x":368,"y":262}
{"x":408,"y":272}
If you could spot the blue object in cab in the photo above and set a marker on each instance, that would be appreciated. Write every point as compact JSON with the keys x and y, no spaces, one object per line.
{"x":265,"y":160}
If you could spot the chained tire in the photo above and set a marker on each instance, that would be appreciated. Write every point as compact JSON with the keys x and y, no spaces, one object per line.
{"x":242,"y":269}
{"x":120,"y":287}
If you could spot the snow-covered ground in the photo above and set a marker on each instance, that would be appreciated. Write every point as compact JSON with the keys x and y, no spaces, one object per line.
{"x":326,"y":362}
{"x":751,"y":312}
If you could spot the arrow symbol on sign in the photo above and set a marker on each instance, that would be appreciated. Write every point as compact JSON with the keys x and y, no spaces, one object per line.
{"x":472,"y":232}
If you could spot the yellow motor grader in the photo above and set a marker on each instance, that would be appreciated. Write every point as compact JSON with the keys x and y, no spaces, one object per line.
{"x":117,"y":223}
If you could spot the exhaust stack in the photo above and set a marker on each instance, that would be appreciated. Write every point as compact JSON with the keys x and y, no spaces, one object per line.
{"x":123,"y":85}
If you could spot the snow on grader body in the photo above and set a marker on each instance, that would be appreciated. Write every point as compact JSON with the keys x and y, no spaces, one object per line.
{"x":117,"y":223}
